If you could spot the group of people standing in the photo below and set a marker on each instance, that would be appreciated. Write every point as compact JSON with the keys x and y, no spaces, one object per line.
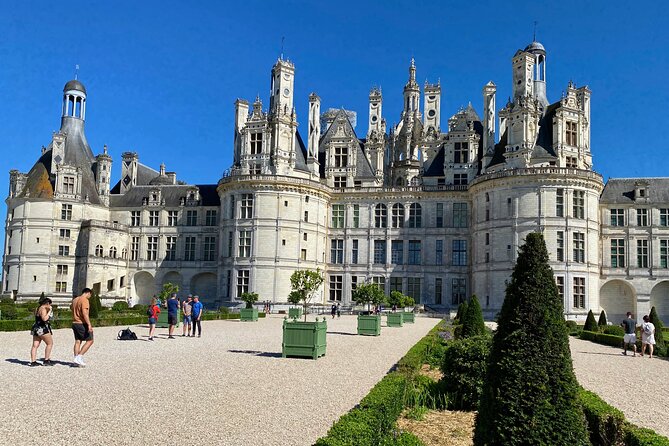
{"x":191,"y":310}
{"x":647,"y":335}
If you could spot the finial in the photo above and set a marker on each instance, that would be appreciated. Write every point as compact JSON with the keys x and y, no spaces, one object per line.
{"x":76,"y":72}
{"x":104,"y":149}
{"x":413,"y":62}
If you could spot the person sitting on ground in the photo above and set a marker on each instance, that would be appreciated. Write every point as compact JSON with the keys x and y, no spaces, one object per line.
{"x":153,"y":311}
{"x":647,"y":336}
{"x":629,"y":325}
{"x":172,"y":314}
{"x":187,"y":308}
{"x":41,"y":331}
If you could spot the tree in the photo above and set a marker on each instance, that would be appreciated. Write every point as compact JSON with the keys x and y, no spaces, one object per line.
{"x":167,"y":291}
{"x":530,"y":392}
{"x":368,"y":293}
{"x":396,"y":299}
{"x":249,"y":298}
{"x":408,"y":301}
{"x":659,"y":337}
{"x":590,"y":323}
{"x":462,"y":309}
{"x":472,"y":319}
{"x":304,"y":283}
{"x":602,"y":322}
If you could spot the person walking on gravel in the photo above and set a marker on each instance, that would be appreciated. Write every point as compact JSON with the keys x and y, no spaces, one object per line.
{"x":333,"y":310}
{"x":186,"y":309}
{"x":152,"y":312}
{"x":647,"y":336}
{"x":629,"y":325}
{"x":41,"y":331}
{"x":172,"y":314}
{"x":81,"y":326}
{"x":197,"y":315}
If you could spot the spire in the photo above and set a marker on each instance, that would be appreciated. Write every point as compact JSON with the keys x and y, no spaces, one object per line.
{"x":412,"y":71}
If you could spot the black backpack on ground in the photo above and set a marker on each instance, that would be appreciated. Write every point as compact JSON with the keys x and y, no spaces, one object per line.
{"x":126,"y":335}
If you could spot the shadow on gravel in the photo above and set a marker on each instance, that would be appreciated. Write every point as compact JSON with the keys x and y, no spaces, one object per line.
{"x":604,"y":354}
{"x":257,"y":353}
{"x":27,"y":363}
{"x":341,"y":333}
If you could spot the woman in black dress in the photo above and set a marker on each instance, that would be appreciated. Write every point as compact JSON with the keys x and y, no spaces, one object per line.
{"x":41,"y":331}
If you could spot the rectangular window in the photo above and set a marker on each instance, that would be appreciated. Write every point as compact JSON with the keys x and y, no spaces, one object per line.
{"x":151,"y":248}
{"x":415,"y":215}
{"x":189,"y":249}
{"x":559,"y":203}
{"x":354,"y":282}
{"x":66,"y":212}
{"x":438,"y":290}
{"x":460,"y":179}
{"x":63,"y":233}
{"x":255,"y":169}
{"x":68,"y":185}
{"x":339,"y":182}
{"x":559,"y":281}
{"x":664,"y":253}
{"x":439,"y":252}
{"x":381,"y":216}
{"x":337,"y":251}
{"x":571,"y":162}
{"x":579,"y":292}
{"x":256,"y":143}
{"x":618,"y":253}
{"x":172,"y":218}
{"x":341,"y":156}
{"x":579,"y":247}
{"x":191,"y":218}
{"x":135,"y":218}
{"x":459,"y":252}
{"x":247,"y":206}
{"x":664,"y":217}
{"x":61,"y":270}
{"x":336,"y":288}
{"x":380,"y":281}
{"x":243,"y":278}
{"x":380,"y":252}
{"x":642,"y":217}
{"x":459,"y":291}
{"x":617,"y":217}
{"x":414,"y":252}
{"x":230,"y":246}
{"x":396,"y":284}
{"x":459,"y":215}
{"x":121,"y":281}
{"x":397,"y":252}
{"x":487,"y":238}
{"x":232,"y":207}
{"x":579,"y":204}
{"x":570,"y":133}
{"x":356,"y":215}
{"x":61,"y":287}
{"x":413,"y":288}
{"x":153,"y":218}
{"x":209,"y":249}
{"x":560,"y":246}
{"x":461,"y":153}
{"x":440,"y":215}
{"x":134,"y":248}
{"x":110,"y":285}
{"x":170,"y":248}
{"x":642,"y":253}
{"x":306,"y":216}
{"x":354,"y":251}
{"x":303,"y":254}
{"x":397,"y":216}
{"x":211,"y":217}
{"x":244,"y":244}
{"x":338,"y":213}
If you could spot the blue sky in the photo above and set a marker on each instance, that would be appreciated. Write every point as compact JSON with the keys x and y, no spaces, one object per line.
{"x":162,"y":76}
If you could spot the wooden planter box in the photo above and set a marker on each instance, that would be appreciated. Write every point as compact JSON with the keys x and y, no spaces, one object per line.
{"x":295,"y":313}
{"x":305,"y":339}
{"x":409,"y":317}
{"x":369,"y":325}
{"x":395,"y":319}
{"x":248,"y":314}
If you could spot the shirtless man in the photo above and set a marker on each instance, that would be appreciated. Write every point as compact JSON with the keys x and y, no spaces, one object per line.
{"x":81,"y":326}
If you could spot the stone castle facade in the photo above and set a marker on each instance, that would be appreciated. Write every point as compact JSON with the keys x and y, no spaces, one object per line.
{"x":437,"y":213}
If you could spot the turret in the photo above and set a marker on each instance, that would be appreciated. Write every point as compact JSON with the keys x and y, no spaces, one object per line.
{"x":314,"y":132}
{"x":103,"y":175}
{"x":241,"y":115}
{"x":489,"y":91}
{"x":432,"y":107}
{"x":539,"y":76}
{"x":411,"y":93}
{"x":129,"y":171}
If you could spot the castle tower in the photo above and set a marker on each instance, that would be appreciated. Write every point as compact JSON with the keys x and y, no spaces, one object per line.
{"x":241,"y":115}
{"x":432,"y":108}
{"x":282,"y":118}
{"x":103,"y":168}
{"x":489,"y":111}
{"x":376,"y":133}
{"x":411,"y":93}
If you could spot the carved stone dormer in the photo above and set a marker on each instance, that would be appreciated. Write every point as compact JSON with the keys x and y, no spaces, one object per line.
{"x":641,"y":191}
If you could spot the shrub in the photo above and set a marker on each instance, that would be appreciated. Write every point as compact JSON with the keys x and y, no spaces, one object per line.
{"x":530,"y":391}
{"x":249,"y":299}
{"x":368,"y":293}
{"x":95,"y":306}
{"x":6,"y":301}
{"x":30,"y":305}
{"x":464,"y":369}
{"x":615,"y":330}
{"x":605,"y":423}
{"x":659,"y":328}
{"x":223,"y":309}
{"x":638,"y":436}
{"x":8,"y":312}
{"x":139,"y":308}
{"x":602,"y":322}
{"x":472,"y":319}
{"x":120,"y":306}
{"x":462,"y":309}
{"x":590,"y":323}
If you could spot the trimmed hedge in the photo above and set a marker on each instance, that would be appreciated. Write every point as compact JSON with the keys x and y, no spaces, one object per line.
{"x":602,"y":338}
{"x":639,"y":436}
{"x":464,"y":369}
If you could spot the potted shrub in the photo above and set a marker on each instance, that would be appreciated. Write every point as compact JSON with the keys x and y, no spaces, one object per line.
{"x":302,"y":338}
{"x":409,"y":316}
{"x":295,"y":299}
{"x":250,"y":313}
{"x":369,"y":293}
{"x":395,"y":318}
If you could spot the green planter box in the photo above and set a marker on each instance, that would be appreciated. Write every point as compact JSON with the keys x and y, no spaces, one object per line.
{"x":248,"y":314}
{"x":395,"y":319}
{"x":369,"y":325}
{"x":409,"y":317}
{"x":305,"y":339}
{"x":295,"y":313}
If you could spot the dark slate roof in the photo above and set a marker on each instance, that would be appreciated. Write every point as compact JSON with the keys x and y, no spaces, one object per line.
{"x":500,"y":147}
{"x":39,"y":183}
{"x":545,"y":137}
{"x":621,"y":190}
{"x":363,"y":168}
{"x":436,"y":168}
{"x":171,"y":194}
{"x":74,"y":85}
{"x":145,"y":175}
{"x":300,"y":154}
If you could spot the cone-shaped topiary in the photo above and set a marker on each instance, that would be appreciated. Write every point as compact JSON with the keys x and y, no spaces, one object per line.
{"x":659,"y":338}
{"x":530,"y":392}
{"x":462,"y":309}
{"x":472,"y":319}
{"x":94,"y":306}
{"x":590,"y":323}
{"x":602,"y":322}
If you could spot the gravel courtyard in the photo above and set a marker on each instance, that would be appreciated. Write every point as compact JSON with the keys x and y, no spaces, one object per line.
{"x":230,"y":387}
{"x":637,"y":386}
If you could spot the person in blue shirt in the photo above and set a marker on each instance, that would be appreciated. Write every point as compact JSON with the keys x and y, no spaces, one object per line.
{"x":172,"y":314}
{"x":197,"y":316}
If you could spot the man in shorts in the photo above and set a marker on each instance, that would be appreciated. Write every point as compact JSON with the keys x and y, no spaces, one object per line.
{"x":186,"y":309}
{"x":629,"y":325}
{"x":81,"y":326}
{"x":172,"y":314}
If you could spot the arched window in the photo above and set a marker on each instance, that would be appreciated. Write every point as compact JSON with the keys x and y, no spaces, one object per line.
{"x":415,"y":215}
{"x":112,"y":252}
{"x":381,"y":216}
{"x":99,"y":252}
{"x":398,"y":216}
{"x":124,"y":253}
